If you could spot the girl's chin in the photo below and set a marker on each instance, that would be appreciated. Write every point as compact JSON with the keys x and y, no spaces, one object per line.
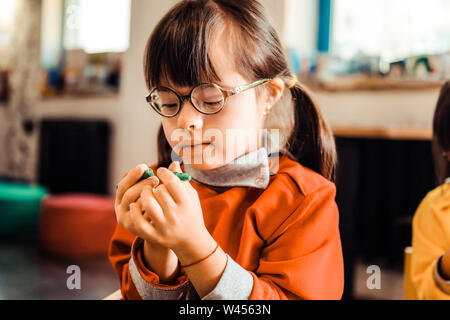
{"x":200,"y":158}
{"x":205,"y":166}
{"x":205,"y":163}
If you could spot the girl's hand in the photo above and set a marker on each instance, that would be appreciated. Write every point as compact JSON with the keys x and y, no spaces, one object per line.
{"x":129,"y":192}
{"x":445,"y":264}
{"x":175,"y":211}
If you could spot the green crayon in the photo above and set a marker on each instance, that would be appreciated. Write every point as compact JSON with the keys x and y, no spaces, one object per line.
{"x":149,"y":173}
{"x":183,"y":176}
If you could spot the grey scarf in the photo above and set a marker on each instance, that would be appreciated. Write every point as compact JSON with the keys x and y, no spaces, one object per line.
{"x":249,"y":170}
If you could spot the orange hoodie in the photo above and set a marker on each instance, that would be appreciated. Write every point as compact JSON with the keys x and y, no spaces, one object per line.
{"x":286,"y":236}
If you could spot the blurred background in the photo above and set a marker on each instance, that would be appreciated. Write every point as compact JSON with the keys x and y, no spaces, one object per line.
{"x":73,"y":120}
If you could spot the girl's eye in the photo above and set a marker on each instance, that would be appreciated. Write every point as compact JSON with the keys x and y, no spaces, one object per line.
{"x":169,"y":106}
{"x":212,"y":103}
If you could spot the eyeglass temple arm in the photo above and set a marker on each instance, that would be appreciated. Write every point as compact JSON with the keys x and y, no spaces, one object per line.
{"x":248,"y":86}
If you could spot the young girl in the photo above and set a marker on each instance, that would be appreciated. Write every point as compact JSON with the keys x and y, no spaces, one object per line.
{"x":258,"y":220}
{"x":430,"y":261}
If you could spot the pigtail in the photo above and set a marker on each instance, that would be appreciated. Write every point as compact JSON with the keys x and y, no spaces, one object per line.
{"x":311,"y":142}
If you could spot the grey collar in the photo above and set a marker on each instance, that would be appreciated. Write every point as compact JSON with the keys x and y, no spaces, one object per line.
{"x":249,"y":170}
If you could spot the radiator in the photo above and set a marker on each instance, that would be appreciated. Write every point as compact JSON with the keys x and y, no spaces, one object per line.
{"x":74,"y":155}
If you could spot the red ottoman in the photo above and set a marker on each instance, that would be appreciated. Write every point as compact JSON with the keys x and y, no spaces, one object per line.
{"x":76,"y":225}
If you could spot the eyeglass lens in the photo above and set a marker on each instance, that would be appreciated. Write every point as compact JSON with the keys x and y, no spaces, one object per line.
{"x":207,"y":98}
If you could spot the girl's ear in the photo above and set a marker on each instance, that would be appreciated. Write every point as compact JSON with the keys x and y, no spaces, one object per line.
{"x":275,"y":91}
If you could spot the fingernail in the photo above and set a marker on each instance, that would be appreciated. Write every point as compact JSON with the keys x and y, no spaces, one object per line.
{"x":155,"y":181}
{"x":142,"y":167}
{"x":132,"y":206}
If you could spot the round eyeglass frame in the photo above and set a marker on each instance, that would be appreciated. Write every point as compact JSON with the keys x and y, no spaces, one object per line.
{"x":226,"y":95}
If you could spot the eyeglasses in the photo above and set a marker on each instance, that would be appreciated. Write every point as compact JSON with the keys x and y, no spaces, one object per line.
{"x":207,"y":98}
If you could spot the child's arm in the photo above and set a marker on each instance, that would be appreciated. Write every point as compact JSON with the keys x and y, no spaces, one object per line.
{"x":442,"y":272}
{"x":208,"y":262}
{"x":136,"y":281}
{"x":429,"y":242}
{"x":445,"y":264}
{"x":119,"y":256}
{"x":161,"y":261}
{"x":127,"y":251}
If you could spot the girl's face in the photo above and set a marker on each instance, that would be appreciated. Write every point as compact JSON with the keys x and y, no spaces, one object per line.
{"x":209,"y":141}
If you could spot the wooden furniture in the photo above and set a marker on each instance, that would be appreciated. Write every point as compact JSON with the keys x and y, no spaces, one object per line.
{"x":408,"y":284}
{"x":384,"y":133}
{"x":116,"y":295}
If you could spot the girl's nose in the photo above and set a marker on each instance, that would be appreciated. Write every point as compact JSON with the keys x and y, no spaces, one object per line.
{"x":189,"y":118}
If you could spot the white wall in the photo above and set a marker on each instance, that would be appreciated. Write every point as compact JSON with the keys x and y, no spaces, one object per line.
{"x":51,"y":32}
{"x":300,"y":24}
{"x":276,"y":10}
{"x":295,"y":22}
{"x":138,"y":125}
{"x":391,"y":109}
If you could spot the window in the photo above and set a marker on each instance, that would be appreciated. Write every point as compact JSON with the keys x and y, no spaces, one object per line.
{"x":390,"y":29}
{"x":6,"y":17}
{"x":82,"y":45}
{"x":97,"y":26}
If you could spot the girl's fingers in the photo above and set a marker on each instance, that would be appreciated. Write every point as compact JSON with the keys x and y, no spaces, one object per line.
{"x":175,"y":166}
{"x":143,"y":228}
{"x":173,"y":184}
{"x":163,"y":196}
{"x":129,"y":180}
{"x":151,"y":206}
{"x":145,"y":215}
{"x":133,"y":193}
{"x":155,"y":181}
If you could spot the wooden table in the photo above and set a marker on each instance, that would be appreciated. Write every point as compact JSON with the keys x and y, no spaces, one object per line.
{"x":383,"y":133}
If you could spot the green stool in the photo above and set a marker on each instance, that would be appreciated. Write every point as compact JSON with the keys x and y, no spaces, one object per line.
{"x":19,"y":209}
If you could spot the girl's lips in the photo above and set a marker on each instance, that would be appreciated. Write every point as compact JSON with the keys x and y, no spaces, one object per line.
{"x":203,"y":145}
{"x":197,"y":144}
{"x":198,"y":147}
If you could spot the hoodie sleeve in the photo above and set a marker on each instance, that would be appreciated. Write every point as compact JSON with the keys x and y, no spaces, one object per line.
{"x":429,"y":242}
{"x":137,"y":282}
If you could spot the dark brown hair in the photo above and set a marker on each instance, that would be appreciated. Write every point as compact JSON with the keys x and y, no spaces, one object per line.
{"x":178,"y":50}
{"x":441,"y":134}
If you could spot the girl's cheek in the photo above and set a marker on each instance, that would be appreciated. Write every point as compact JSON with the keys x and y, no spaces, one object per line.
{"x":169,"y":129}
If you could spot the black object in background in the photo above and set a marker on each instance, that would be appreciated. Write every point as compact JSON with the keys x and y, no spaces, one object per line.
{"x":74,"y":156}
{"x":4,"y":87}
{"x":347,"y":186}
{"x":379,"y":184}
